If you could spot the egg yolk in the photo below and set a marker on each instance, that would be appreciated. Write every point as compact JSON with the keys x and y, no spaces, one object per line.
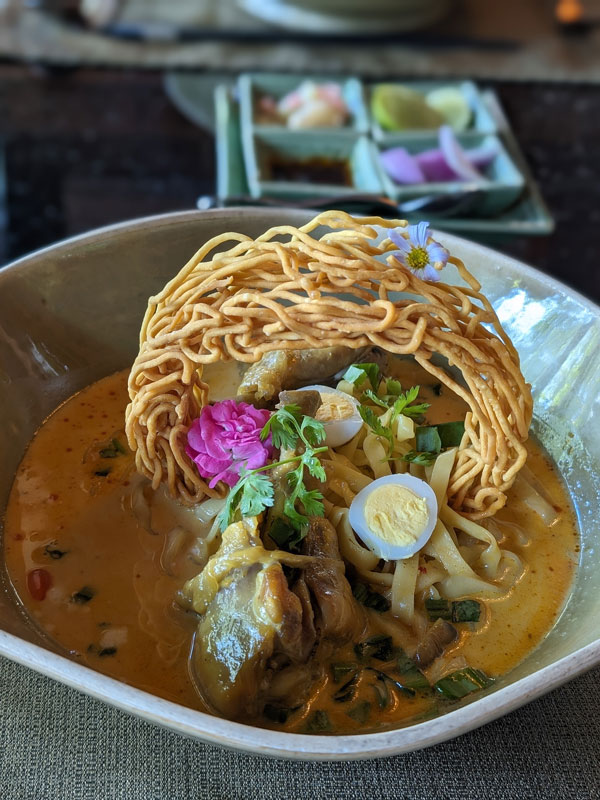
{"x":334,"y":406}
{"x":395,"y":514}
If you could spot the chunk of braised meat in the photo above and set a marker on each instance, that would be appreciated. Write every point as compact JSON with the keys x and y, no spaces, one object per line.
{"x":338,"y":617}
{"x":288,"y":369}
{"x":249,"y":616}
{"x":307,"y":400}
{"x":434,"y":642}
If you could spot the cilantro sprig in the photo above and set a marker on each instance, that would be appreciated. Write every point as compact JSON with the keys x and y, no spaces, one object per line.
{"x":253,"y":492}
{"x":394,"y":401}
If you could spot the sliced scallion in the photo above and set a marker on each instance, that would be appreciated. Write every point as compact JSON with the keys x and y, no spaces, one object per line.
{"x":462,"y":682}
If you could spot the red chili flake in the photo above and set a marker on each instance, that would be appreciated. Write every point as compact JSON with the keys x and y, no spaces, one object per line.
{"x":38,"y":583}
{"x":52,"y":498}
{"x":422,"y":570}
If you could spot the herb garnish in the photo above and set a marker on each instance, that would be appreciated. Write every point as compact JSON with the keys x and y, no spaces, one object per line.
{"x":253,"y":492}
{"x":395,"y":402}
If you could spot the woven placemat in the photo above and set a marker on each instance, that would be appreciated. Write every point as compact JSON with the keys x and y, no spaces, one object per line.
{"x":57,"y":744}
{"x":540,"y":51}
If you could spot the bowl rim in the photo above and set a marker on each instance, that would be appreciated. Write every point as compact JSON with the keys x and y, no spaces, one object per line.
{"x":238,"y":736}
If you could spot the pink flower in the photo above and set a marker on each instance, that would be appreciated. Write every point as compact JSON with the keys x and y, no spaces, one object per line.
{"x":225,"y":438}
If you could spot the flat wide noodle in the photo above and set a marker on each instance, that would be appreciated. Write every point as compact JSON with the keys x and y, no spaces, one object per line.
{"x":289,"y":289}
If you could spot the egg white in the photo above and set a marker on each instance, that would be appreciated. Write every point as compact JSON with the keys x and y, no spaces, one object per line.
{"x":385,"y":550}
{"x":339,"y":431}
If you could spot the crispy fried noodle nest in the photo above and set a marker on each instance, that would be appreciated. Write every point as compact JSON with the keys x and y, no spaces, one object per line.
{"x":334,"y":281}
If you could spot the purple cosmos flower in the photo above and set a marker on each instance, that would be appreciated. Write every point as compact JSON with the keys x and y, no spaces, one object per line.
{"x":416,"y":254}
{"x":225,"y":438}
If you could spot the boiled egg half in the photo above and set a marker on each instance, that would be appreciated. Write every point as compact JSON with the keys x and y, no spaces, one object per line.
{"x":394,"y":515}
{"x":339,"y":414}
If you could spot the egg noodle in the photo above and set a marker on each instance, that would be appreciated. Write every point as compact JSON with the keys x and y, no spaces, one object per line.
{"x":334,"y":281}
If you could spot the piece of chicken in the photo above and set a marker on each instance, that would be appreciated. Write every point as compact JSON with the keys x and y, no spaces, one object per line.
{"x":249,"y":614}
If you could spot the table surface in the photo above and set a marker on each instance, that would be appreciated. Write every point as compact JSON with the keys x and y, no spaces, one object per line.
{"x":84,"y":149}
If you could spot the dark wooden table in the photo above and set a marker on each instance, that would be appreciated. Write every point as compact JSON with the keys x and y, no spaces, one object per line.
{"x":90,"y":147}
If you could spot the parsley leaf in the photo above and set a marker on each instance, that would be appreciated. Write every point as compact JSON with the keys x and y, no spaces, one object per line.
{"x":284,"y":426}
{"x":254,"y":490}
{"x":425,"y":459}
{"x":375,"y":424}
{"x":257,"y":493}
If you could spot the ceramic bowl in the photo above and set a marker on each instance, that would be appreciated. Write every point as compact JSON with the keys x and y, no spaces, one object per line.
{"x":70,"y":314}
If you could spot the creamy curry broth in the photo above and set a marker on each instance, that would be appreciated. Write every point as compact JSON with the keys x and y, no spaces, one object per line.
{"x":99,"y":584}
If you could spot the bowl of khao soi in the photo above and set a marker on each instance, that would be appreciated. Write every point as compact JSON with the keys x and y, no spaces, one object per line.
{"x":312,"y":504}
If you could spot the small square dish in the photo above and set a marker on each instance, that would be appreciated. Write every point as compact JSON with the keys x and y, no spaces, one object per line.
{"x":501,"y":185}
{"x":459,"y":104}
{"x":312,"y":103}
{"x":282,"y":164}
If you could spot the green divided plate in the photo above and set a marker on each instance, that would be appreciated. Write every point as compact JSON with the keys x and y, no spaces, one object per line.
{"x":528,"y":216}
{"x":251,"y":86}
{"x":482,"y":120}
{"x":503,"y":186}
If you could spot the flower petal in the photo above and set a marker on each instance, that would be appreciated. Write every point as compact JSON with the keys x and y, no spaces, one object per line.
{"x":419,"y":234}
{"x":437,"y":252}
{"x":399,"y":240}
{"x":430,"y":274}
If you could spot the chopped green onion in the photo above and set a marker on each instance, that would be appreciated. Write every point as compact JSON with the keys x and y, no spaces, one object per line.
{"x":438,"y":608}
{"x":341,"y":669}
{"x":317,"y":722}
{"x":379,"y":647}
{"x":107,"y":651}
{"x":116,"y":445}
{"x":462,"y":682}
{"x":358,"y":373}
{"x":102,"y":473}
{"x":412,"y":677}
{"x":433,"y":438}
{"x":360,"y":712}
{"x":427,"y":439}
{"x":437,"y":389}
{"x":451,"y":433}
{"x":465,"y":611}
{"x":457,"y":611}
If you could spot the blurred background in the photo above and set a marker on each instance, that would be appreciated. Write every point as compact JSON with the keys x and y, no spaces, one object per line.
{"x":481,"y":117}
